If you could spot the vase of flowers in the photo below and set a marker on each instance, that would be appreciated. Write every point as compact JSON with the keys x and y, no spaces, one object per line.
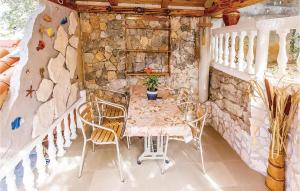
{"x":151,"y":82}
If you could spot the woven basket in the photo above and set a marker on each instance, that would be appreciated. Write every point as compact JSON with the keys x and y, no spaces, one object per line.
{"x":275,"y":179}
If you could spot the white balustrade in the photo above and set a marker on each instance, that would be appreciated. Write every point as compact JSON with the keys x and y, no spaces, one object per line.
{"x":60,"y":141}
{"x":232,"y":50}
{"x":51,"y":149}
{"x":298,"y":62}
{"x":250,"y":54}
{"x":220,"y":59}
{"x":41,"y":164}
{"x":252,"y":65}
{"x":226,"y":49}
{"x":241,"y":59}
{"x":7,"y":171}
{"x":262,"y":47}
{"x":28,"y":176}
{"x":216,"y":49}
{"x":11,"y":181}
{"x":282,"y":58}
{"x":298,"y":59}
{"x":67,"y":132}
{"x":73,"y":126}
{"x":212,"y":49}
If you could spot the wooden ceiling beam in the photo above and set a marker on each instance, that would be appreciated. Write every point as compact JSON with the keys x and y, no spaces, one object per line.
{"x":66,"y":3}
{"x":229,"y":4}
{"x":165,"y":3}
{"x":113,"y":2}
{"x":139,"y":10}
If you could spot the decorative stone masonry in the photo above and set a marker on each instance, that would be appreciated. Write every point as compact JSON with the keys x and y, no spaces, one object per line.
{"x":104,"y":45}
{"x":249,"y":136}
{"x":58,"y":88}
{"x":232,"y":96}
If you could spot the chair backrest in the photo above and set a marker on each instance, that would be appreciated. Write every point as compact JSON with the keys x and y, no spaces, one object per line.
{"x":85,"y":113}
{"x":201,"y":114}
{"x":183,"y":95}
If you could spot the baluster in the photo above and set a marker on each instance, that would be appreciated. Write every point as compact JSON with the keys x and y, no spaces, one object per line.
{"x":261,"y":59}
{"x":73,"y":126}
{"x":241,"y":56}
{"x":216,"y":49}
{"x":51,"y":149}
{"x":250,"y":54}
{"x":11,"y":181}
{"x":67,"y":133}
{"x":28,"y":178}
{"x":282,"y":58}
{"x":221,"y":49}
{"x":212,"y":47}
{"x":298,"y":62}
{"x":41,"y":164}
{"x":298,"y":59}
{"x":60,"y":141}
{"x":232,"y":50}
{"x":226,"y":50}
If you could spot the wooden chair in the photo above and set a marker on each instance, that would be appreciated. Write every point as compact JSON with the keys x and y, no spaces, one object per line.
{"x":111,"y":110}
{"x":102,"y":131}
{"x":197,"y":127}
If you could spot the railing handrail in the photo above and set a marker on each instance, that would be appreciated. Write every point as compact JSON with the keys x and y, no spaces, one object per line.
{"x":284,"y":23}
{"x":11,"y":164}
{"x":244,"y":26}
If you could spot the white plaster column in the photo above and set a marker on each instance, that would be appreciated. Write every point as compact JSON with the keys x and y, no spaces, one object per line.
{"x":40,"y":164}
{"x":212,"y":48}
{"x":298,"y":62}
{"x":11,"y":181}
{"x":67,"y":132}
{"x":262,"y":47}
{"x":205,"y":58}
{"x":282,"y":58}
{"x":250,"y":54}
{"x":221,"y":48}
{"x":226,"y":50}
{"x":298,"y":59}
{"x":232,"y":50}
{"x":28,"y":176}
{"x":216,"y":50}
{"x":241,"y":55}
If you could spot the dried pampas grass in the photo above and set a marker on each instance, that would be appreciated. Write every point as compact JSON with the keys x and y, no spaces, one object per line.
{"x":281,"y":103}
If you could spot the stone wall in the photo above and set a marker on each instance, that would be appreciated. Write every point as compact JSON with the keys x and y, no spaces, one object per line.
{"x":230,"y":109}
{"x":104,"y":43}
{"x":247,"y":130}
{"x":231,"y":95}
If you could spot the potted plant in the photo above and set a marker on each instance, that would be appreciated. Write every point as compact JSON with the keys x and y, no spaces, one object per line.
{"x":151,"y":82}
{"x":231,"y":17}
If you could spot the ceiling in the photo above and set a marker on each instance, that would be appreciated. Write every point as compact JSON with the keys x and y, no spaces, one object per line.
{"x":190,"y":3}
{"x":159,"y":7}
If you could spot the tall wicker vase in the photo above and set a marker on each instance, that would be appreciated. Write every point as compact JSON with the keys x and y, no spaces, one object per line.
{"x":275,"y":180}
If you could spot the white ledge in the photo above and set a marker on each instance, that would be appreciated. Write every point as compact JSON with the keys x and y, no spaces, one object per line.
{"x":233,"y":72}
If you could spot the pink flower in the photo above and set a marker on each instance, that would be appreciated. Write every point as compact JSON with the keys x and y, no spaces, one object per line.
{"x":148,"y":70}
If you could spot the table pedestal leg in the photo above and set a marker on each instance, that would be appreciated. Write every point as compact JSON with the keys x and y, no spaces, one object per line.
{"x":155,"y":148}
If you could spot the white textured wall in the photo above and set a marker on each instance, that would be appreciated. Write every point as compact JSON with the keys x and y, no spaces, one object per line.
{"x":18,"y":105}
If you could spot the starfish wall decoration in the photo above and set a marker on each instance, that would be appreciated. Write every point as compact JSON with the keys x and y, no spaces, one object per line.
{"x":30,"y":92}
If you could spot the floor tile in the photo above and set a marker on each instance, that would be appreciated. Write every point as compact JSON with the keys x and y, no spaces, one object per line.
{"x":225,"y":170}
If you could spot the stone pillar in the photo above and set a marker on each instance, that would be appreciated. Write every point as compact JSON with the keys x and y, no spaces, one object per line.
{"x":205,"y":58}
